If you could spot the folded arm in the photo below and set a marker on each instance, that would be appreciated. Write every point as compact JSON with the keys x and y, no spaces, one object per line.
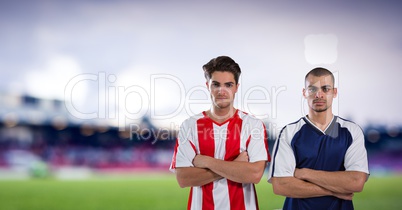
{"x":297,"y":188}
{"x":337,"y":181}
{"x":193,"y":176}
{"x":238,"y":171}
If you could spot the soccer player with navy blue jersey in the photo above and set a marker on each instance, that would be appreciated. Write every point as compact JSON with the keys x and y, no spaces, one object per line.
{"x":319,"y":161}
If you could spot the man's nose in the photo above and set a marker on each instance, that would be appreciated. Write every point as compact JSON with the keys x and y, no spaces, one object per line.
{"x":222,"y":90}
{"x":319,"y":94}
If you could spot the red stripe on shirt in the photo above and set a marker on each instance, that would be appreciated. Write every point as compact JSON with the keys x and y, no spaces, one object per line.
{"x":266,"y":143}
{"x":174,"y":154}
{"x":190,"y":199}
{"x":206,"y":143}
{"x":256,"y":199}
{"x":248,"y":141}
{"x":233,"y":142}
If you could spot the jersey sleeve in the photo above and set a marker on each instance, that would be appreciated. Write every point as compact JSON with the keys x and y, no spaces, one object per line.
{"x":356,"y":155}
{"x":283,"y":162}
{"x":257,"y":147}
{"x":185,"y":150}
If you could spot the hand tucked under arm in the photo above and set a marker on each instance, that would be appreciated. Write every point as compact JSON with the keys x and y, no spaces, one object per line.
{"x":296,"y":188}
{"x":336,"y":181}
{"x":192,"y":176}
{"x":243,"y":156}
{"x":238,"y":170}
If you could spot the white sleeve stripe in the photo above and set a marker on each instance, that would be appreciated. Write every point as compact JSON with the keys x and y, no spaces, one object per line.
{"x":276,"y":152}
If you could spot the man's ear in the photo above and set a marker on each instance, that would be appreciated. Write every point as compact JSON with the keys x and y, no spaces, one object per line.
{"x":206,"y":83}
{"x":304,"y":92}
{"x":335,"y":92}
{"x":237,"y":87}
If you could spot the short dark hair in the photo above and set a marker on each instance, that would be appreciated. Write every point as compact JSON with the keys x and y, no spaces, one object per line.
{"x":222,"y":63}
{"x":320,"y":71}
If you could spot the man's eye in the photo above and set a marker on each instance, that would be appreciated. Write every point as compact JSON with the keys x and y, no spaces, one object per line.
{"x":215,"y":85}
{"x":312,"y":89}
{"x":229,"y":85}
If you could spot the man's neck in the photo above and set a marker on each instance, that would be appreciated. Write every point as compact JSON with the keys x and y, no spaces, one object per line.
{"x":320,"y":119}
{"x":221,"y":115}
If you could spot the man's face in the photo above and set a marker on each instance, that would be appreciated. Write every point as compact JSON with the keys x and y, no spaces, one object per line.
{"x":222,"y":87}
{"x":319,"y":92}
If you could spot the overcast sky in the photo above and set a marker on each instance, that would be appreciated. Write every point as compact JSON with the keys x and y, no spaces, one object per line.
{"x":128,"y":59}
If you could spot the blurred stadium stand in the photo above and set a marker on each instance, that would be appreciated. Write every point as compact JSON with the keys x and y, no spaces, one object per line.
{"x":39,"y":137}
{"x":34,"y":130}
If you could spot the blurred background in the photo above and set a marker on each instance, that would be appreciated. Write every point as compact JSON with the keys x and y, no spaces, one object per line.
{"x":101,"y":87}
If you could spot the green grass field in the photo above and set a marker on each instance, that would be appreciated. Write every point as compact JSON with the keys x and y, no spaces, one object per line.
{"x":157,"y":192}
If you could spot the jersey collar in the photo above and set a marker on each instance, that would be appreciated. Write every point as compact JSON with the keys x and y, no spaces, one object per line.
{"x":327,"y":129}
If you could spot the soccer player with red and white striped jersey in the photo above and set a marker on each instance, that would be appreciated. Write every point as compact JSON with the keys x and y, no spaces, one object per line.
{"x":223,"y":151}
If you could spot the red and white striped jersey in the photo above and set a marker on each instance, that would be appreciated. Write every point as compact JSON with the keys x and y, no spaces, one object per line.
{"x":201,"y":135}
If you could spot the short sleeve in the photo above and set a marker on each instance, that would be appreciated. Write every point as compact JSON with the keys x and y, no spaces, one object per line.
{"x":283,"y":162}
{"x":257,"y":147}
{"x":356,"y":155}
{"x":184,"y":151}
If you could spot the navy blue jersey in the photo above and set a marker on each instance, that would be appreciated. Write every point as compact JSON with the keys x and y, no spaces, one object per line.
{"x":340,"y":147}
